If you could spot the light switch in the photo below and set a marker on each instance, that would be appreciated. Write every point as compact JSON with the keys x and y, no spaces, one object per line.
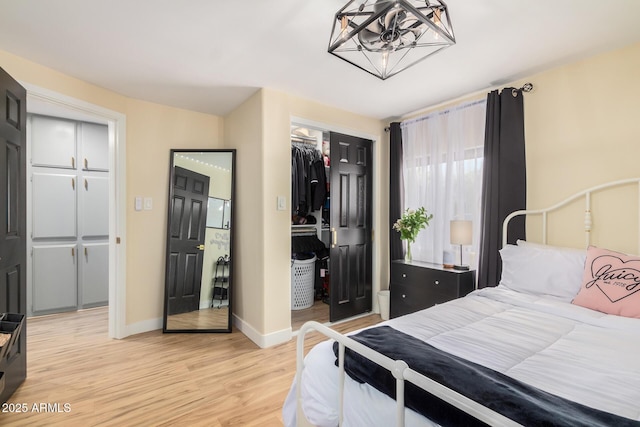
{"x":282,"y":203}
{"x":138,"y":203}
{"x":148,"y":203}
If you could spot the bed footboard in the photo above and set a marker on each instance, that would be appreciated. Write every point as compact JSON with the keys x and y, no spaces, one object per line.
{"x":401,"y":372}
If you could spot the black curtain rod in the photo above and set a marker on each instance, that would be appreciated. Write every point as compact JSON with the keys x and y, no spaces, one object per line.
{"x":527,"y":87}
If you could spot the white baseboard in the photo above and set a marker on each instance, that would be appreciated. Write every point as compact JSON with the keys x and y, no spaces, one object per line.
{"x":144,"y":326}
{"x":263,"y":341}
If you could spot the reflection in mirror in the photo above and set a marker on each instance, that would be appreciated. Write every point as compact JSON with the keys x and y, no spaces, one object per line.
{"x":198,"y":283}
{"x":218,"y":213}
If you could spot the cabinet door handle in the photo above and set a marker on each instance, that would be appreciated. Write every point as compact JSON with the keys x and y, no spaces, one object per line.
{"x":404,"y":275}
{"x":437,"y":282}
{"x":86,"y":252}
{"x":73,"y":252}
{"x":86,"y":163}
{"x":73,"y":183}
{"x":73,"y":162}
{"x":334,"y":237}
{"x":404,"y":296}
{"x":86,"y":184}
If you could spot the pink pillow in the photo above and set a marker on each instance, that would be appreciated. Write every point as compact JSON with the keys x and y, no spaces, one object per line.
{"x":611,"y":283}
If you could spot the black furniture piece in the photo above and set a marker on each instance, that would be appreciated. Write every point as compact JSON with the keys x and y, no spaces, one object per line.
{"x":418,"y":285}
{"x":220,"y":293}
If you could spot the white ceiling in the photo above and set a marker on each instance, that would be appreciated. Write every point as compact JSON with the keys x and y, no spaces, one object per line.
{"x":211,"y":55}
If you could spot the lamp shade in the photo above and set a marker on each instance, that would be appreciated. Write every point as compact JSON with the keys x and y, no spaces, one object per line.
{"x":461,"y":232}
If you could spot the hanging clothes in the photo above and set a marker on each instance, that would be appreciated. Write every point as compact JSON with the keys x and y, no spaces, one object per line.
{"x":308,"y":179}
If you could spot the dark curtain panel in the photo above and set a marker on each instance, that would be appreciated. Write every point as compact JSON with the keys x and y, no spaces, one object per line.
{"x":396,"y":188}
{"x":504,"y":181}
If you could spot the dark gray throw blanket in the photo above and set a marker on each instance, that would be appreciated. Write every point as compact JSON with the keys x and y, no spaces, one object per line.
{"x":520,"y":402}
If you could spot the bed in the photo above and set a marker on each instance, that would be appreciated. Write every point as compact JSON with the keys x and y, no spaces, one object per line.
{"x":557,"y":342}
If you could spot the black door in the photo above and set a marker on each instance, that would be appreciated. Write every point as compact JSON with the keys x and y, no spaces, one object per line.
{"x":351,"y":225}
{"x":13,"y":250}
{"x":187,"y":232}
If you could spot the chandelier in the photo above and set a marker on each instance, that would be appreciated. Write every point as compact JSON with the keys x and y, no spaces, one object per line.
{"x":384,"y":37}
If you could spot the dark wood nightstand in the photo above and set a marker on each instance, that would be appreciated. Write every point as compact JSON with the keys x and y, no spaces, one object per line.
{"x":417,"y":285}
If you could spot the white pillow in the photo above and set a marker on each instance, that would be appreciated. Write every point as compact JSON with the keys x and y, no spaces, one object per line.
{"x":543,"y":270}
{"x":581,"y":252}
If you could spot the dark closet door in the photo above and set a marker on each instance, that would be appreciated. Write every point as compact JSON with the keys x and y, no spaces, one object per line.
{"x":187,"y":232}
{"x":13,"y":250}
{"x":351,"y":226}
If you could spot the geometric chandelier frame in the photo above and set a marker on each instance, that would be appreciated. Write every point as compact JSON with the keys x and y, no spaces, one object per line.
{"x":384,"y":37}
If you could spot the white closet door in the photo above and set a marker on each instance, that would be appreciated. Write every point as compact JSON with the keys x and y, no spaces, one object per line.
{"x":54,"y":205}
{"x":95,"y":206}
{"x":95,"y":147}
{"x":54,"y":285}
{"x":53,"y":142}
{"x":95,"y":274}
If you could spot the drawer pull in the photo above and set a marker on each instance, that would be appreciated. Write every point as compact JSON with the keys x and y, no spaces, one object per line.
{"x":404,"y":275}
{"x":404,"y":296}
{"x":437,"y":282}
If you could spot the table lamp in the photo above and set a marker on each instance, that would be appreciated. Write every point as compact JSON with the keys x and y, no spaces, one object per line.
{"x":461,"y":233}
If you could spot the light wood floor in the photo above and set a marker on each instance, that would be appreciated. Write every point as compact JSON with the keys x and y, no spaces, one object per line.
{"x":152,"y":379}
{"x":206,"y":318}
{"x":319,"y":312}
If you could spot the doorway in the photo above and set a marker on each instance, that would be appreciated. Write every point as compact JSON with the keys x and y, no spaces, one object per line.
{"x":67,"y":214}
{"x":47,"y":102}
{"x":331,"y":225}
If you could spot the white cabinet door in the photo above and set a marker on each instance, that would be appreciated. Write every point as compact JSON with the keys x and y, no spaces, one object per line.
{"x":53,"y":142}
{"x":94,"y":209}
{"x":95,"y":274}
{"x":54,"y":205}
{"x":94,"y":144}
{"x":54,"y":284}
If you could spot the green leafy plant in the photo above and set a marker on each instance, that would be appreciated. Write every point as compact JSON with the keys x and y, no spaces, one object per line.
{"x":411,"y":223}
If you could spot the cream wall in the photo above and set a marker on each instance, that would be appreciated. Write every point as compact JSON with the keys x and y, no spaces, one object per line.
{"x":582,"y":128}
{"x":280,"y":109}
{"x":243,"y":131}
{"x":260,"y":130}
{"x":152,"y":130}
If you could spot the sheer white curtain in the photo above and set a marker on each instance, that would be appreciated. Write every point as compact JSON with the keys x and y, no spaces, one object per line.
{"x":442,"y":169}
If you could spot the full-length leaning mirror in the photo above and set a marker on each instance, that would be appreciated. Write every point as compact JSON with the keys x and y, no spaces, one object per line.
{"x":199,"y":265}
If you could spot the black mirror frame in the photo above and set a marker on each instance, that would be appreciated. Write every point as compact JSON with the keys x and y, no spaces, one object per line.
{"x":172,"y":154}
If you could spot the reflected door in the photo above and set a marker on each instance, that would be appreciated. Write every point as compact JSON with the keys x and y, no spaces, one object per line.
{"x":187,"y":238}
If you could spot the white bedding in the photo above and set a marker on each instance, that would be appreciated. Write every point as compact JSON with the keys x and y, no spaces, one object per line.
{"x":576,"y":353}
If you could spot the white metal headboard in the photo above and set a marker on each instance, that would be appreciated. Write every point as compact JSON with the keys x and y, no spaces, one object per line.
{"x":587,"y":213}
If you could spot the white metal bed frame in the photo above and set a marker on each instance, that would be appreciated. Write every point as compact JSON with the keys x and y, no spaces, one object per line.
{"x":587,"y":211}
{"x":401,"y":370}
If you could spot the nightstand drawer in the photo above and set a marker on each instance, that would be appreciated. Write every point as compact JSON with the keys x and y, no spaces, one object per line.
{"x":441,"y":282}
{"x":407,"y":298}
{"x":405,"y":273}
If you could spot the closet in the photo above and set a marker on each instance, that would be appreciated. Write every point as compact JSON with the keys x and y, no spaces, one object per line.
{"x":69,"y":223}
{"x":331,"y":225}
{"x":310,"y":199}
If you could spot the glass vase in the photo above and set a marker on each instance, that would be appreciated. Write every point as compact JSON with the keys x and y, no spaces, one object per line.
{"x":407,"y":254}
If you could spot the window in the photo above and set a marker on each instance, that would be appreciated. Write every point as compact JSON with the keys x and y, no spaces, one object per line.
{"x":442,"y":171}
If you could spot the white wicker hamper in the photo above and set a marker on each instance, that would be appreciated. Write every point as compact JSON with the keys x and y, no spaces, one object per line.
{"x":302,"y":283}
